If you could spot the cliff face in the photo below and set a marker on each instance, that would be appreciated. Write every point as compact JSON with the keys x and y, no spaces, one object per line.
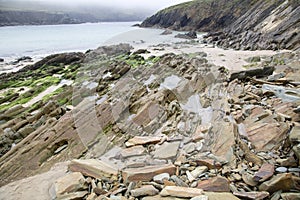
{"x":248,"y":24}
{"x":201,"y":15}
{"x":267,"y":25}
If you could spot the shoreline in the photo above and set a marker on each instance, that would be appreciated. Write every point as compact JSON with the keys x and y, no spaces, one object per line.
{"x":150,"y":39}
{"x":229,"y":58}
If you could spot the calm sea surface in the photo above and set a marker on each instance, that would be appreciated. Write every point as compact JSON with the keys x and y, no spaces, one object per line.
{"x":18,"y":41}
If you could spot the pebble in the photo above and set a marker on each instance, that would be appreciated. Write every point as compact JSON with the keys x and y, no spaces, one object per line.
{"x":281,"y":169}
{"x":189,"y":148}
{"x":161,"y":177}
{"x":178,"y":181}
{"x":236,"y":177}
{"x":294,"y":169}
{"x":194,"y":184}
{"x":199,"y":170}
{"x":190,"y":177}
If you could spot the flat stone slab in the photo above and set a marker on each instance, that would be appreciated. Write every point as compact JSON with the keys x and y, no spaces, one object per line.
{"x":265,"y":172}
{"x":133,"y":151}
{"x":94,"y":168}
{"x":266,"y":136}
{"x":183,"y":192}
{"x":252,"y":195}
{"x":70,"y":183}
{"x":146,"y":190}
{"x":220,"y":195}
{"x":216,"y":184}
{"x":147,"y":173}
{"x":141,"y":140}
{"x":167,"y":150}
{"x":284,"y":182}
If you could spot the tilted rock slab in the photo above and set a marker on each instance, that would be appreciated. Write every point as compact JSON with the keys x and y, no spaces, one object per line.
{"x":94,"y":168}
{"x":70,"y":183}
{"x":141,"y":140}
{"x":284,"y":182}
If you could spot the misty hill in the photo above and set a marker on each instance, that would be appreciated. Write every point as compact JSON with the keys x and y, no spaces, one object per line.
{"x":241,"y":24}
{"x":39,"y":13}
{"x":11,"y":18}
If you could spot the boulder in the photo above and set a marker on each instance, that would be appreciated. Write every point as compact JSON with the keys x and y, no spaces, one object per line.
{"x":136,"y":25}
{"x":140,"y":51}
{"x":167,"y":32}
{"x":190,"y":35}
{"x":23,"y":58}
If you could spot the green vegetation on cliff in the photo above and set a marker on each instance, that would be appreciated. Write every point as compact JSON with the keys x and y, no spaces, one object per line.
{"x":200,"y":15}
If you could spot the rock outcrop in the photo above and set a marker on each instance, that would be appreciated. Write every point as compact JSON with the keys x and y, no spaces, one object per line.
{"x":266,"y":25}
{"x":249,"y":25}
{"x":198,"y":15}
{"x":172,"y":127}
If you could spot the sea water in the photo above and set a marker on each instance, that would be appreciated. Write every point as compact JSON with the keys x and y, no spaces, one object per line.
{"x":16,"y":41}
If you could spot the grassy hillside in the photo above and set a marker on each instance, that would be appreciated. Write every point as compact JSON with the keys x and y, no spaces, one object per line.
{"x":201,"y":15}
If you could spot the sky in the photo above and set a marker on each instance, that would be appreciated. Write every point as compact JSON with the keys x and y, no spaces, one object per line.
{"x":150,"y":4}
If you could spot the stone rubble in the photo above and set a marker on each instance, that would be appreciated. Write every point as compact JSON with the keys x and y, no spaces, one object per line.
{"x":244,"y":143}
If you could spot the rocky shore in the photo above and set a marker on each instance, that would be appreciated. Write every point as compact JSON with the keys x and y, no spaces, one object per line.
{"x":138,"y":125}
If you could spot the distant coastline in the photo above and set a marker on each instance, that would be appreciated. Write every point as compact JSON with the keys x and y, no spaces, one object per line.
{"x":19,"y":17}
